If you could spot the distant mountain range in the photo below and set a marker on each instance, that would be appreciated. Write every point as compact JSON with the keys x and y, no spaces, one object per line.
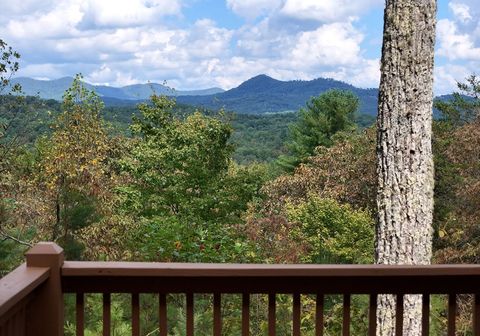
{"x":258,"y":95}
{"x":54,"y":89}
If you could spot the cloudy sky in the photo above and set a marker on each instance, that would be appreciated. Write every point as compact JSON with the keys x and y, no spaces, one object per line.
{"x":195,"y":44}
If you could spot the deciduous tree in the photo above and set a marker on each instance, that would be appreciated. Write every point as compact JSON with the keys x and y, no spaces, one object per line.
{"x":73,"y":166}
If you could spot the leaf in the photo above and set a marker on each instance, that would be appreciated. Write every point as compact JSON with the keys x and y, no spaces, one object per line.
{"x":442,"y":233}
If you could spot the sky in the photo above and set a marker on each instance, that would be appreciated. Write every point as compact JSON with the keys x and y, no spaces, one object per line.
{"x":195,"y":44}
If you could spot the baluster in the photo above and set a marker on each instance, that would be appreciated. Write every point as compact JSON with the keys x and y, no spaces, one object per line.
{"x":296,"y":314}
{"x":476,"y":315}
{"x":217,"y":314}
{"x":135,"y":314}
{"x":190,"y":308}
{"x":106,"y":314}
{"x":346,"y":315}
{"x":426,"y":314}
{"x":23,"y":320}
{"x":372,"y":315}
{"x":246,"y":314}
{"x":9,"y":327}
{"x":319,"y":315}
{"x":271,"y":314}
{"x":162,"y":314}
{"x":18,"y":321}
{"x":399,"y":316}
{"x":79,"y":312}
{"x":452,"y":312}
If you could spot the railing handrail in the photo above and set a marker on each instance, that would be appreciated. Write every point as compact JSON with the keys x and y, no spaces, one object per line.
{"x":155,"y":269}
{"x":128,"y":277}
{"x":19,"y":284}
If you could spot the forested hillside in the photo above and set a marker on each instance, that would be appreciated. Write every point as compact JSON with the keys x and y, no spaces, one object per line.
{"x":263,"y":94}
{"x":256,"y":138}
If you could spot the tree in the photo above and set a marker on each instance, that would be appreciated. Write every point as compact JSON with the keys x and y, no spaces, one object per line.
{"x":324,"y":116}
{"x":9,"y":106}
{"x":176,"y":163}
{"x":72,"y":166}
{"x":178,"y":167}
{"x":404,"y":150}
{"x":457,"y":171}
{"x":344,"y":173}
{"x":8,"y":67}
{"x":12,"y":113}
{"x":464,"y":106}
{"x":334,"y":233}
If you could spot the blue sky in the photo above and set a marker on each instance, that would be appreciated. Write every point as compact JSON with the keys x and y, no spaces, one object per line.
{"x":195,"y":44}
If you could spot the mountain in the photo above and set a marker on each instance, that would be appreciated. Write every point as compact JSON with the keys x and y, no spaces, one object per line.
{"x":54,"y":89}
{"x":258,"y":95}
{"x":263,"y":94}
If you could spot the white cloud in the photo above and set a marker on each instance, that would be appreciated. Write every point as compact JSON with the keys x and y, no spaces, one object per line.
{"x":252,"y":9}
{"x":64,"y":18}
{"x":453,"y":44}
{"x":57,"y":23}
{"x":126,"y":13}
{"x":365,"y":75}
{"x":447,"y":76}
{"x":105,"y":75}
{"x":326,"y":10}
{"x":331,"y":44}
{"x":40,"y":70}
{"x":262,"y":40}
{"x":26,"y":6}
{"x":461,"y":11}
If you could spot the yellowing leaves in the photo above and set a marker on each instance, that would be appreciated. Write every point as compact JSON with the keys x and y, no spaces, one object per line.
{"x":442,"y":233}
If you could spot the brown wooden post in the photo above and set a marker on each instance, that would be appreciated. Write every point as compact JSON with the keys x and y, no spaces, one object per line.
{"x":45,"y":312}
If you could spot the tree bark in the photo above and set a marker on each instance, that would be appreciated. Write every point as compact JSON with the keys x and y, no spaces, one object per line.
{"x":404,"y":152}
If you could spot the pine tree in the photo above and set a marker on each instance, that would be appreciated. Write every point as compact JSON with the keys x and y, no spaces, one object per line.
{"x":404,"y":152}
{"x":324,"y":116}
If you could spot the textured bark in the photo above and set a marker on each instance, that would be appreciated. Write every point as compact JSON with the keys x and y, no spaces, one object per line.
{"x":404,"y":153}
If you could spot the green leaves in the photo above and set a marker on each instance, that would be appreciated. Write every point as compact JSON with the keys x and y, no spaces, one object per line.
{"x":326,"y":115}
{"x":183,"y":186}
{"x":8,"y":67}
{"x":464,"y":106}
{"x":335,"y":233}
{"x":72,"y":166}
{"x":177,"y":164}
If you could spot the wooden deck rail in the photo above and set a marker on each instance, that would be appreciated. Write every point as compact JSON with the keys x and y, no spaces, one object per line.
{"x":31,"y":301}
{"x":35,"y":290}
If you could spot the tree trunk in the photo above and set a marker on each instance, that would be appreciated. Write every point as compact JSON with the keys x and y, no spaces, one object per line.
{"x":404,"y":152}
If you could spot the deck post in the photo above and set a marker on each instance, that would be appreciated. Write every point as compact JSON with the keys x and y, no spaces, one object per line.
{"x":45,"y":311}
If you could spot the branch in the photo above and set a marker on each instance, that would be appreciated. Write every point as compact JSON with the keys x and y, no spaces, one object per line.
{"x":7,"y":236}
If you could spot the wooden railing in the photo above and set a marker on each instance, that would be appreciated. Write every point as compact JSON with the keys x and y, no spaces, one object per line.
{"x":31,"y":296}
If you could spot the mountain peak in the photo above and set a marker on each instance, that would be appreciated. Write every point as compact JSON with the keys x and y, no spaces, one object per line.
{"x":262,"y":78}
{"x":258,"y":83}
